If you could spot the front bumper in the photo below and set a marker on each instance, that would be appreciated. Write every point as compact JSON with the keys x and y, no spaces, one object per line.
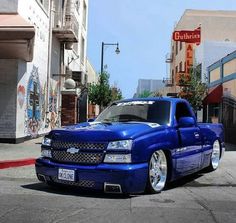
{"x":132,"y":178}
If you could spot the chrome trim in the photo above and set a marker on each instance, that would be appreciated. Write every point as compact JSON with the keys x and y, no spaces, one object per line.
{"x":58,"y":145}
{"x":80,"y":183}
{"x":72,"y":150}
{"x":116,"y":185}
{"x":79,"y":158}
{"x":44,"y":178}
{"x":158,"y":170}
{"x":215,"y":156}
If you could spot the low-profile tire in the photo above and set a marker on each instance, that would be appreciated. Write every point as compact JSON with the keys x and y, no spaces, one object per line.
{"x":215,"y":156}
{"x":157,"y":172}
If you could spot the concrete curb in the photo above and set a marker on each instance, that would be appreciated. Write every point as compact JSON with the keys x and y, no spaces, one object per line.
{"x":16,"y":163}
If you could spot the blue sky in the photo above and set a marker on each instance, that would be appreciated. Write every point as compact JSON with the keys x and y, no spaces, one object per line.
{"x":143,"y":30}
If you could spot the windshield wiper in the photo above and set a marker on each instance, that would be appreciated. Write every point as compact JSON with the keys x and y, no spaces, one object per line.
{"x":130,"y":120}
{"x":107,"y":121}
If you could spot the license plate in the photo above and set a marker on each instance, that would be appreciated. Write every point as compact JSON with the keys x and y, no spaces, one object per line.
{"x":65,"y":174}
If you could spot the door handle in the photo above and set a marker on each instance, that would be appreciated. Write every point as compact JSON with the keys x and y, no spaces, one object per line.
{"x":196,"y":134}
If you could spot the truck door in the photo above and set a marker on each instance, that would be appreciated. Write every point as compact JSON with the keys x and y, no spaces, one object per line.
{"x":188,"y":154}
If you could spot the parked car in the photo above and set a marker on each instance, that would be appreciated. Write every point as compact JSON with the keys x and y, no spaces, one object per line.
{"x":133,"y":146}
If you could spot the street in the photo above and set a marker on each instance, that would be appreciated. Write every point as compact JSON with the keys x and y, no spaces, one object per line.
{"x":203,"y":197}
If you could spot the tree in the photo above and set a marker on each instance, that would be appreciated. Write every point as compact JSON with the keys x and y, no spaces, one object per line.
{"x":116,"y":93}
{"x":193,"y":89}
{"x":101,"y":93}
{"x":145,"y":94}
{"x":156,"y":94}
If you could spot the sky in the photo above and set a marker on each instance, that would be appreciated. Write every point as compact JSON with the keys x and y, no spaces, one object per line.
{"x":143,"y":30}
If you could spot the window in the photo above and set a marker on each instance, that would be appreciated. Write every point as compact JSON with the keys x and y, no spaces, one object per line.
{"x":172,"y":52}
{"x":176,"y":47}
{"x":182,"y":110}
{"x":176,"y":70}
{"x":172,"y":76}
{"x":137,"y":111}
{"x":180,"y":46}
{"x":199,"y":72}
{"x":180,"y":66}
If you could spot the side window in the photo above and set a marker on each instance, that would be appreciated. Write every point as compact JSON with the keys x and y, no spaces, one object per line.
{"x":182,"y":110}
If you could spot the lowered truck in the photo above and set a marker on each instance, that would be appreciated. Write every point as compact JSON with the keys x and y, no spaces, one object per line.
{"x":133,"y":146}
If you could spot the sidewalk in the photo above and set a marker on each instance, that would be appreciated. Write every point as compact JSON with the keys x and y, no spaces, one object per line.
{"x":13,"y":155}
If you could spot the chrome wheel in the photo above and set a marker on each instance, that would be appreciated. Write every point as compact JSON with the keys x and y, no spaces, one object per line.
{"x":157,"y":171}
{"x":215,"y":156}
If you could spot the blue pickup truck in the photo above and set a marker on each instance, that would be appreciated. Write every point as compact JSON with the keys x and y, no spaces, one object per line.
{"x":133,"y":146}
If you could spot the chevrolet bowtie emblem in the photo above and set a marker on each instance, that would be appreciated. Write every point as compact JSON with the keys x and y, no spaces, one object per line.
{"x":72,"y":150}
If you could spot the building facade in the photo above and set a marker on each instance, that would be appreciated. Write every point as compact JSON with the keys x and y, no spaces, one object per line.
{"x":209,"y":52}
{"x":212,"y":25}
{"x":149,"y":85}
{"x":42,"y":42}
{"x":221,"y":100}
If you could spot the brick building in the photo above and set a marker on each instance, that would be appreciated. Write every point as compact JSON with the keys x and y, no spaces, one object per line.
{"x":216,"y":26}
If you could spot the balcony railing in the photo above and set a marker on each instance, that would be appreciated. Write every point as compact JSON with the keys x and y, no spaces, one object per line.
{"x":66,"y":28}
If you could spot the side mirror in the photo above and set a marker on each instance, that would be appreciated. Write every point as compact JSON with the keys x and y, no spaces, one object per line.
{"x":91,"y":119}
{"x":186,"y":122}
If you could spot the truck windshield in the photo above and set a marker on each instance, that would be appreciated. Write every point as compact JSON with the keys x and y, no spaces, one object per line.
{"x":137,"y":111}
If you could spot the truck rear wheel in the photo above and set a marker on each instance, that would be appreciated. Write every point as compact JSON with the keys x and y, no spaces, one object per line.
{"x":157,"y":173}
{"x":215,"y":156}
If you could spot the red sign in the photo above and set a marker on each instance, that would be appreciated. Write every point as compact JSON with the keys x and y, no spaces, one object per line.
{"x":188,"y":36}
{"x":188,"y":57}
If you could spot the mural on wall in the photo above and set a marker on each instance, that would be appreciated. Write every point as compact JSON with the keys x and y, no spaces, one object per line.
{"x":53,"y":104}
{"x":34,"y":103}
{"x":44,"y":95}
{"x":21,"y":95}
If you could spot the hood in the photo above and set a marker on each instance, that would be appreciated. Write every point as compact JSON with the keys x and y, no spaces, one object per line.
{"x":97,"y":131}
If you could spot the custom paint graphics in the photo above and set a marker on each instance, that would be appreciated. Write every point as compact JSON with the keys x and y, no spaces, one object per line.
{"x":133,"y":146}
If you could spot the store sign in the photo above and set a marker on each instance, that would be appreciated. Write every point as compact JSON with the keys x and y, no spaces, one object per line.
{"x":189,"y":57}
{"x":188,"y":36}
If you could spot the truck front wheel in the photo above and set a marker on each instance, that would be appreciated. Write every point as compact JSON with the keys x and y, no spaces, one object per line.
{"x":157,"y":174}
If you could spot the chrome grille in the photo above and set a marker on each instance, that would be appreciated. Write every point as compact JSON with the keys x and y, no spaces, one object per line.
{"x":81,"y":183}
{"x":78,"y":145}
{"x":80,"y":157}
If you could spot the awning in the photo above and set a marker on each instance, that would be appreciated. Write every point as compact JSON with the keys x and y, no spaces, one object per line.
{"x":16,"y":38}
{"x":214,"y":95}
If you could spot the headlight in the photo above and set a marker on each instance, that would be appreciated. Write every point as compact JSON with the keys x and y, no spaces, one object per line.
{"x":46,"y":141}
{"x":122,"y":145}
{"x":46,"y":153}
{"x":117,"y":158}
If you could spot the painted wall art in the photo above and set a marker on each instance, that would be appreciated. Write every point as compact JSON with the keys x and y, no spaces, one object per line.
{"x":21,"y":95}
{"x":34,"y":103}
{"x":53,"y":106}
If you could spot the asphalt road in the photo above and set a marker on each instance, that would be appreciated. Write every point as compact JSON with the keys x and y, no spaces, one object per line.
{"x":203,"y":197}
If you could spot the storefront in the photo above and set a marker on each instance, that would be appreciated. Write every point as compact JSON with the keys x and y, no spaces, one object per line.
{"x":220,"y":103}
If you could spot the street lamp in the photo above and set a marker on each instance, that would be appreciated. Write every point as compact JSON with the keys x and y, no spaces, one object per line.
{"x":108,"y":44}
